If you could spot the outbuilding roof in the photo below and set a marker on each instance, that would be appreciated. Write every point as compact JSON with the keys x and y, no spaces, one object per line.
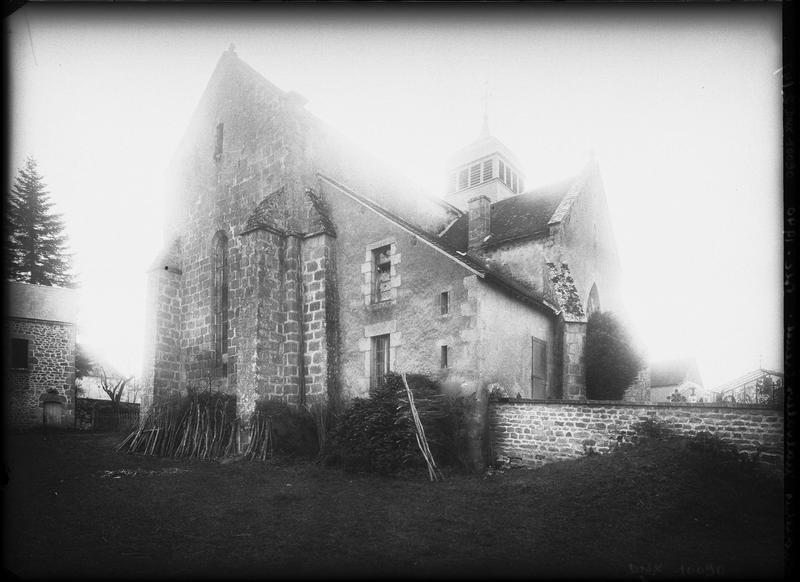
{"x":41,"y":302}
{"x":745,"y":379}
{"x":671,"y":372}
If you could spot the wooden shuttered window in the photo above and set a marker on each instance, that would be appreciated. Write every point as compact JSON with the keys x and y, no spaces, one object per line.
{"x":487,"y":170}
{"x":463,"y":179}
{"x":379,"y":362}
{"x":538,"y":368}
{"x":475,"y":175}
{"x":382,"y":274}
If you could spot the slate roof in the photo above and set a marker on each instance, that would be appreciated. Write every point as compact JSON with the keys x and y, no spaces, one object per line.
{"x":514,"y":288}
{"x":41,"y":302}
{"x":523,"y":216}
{"x":670,"y":372}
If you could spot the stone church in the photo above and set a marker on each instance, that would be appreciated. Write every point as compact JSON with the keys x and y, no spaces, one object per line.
{"x":298,"y":267}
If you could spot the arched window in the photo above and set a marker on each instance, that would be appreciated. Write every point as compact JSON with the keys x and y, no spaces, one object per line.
{"x":220,"y":302}
{"x":593,"y":303}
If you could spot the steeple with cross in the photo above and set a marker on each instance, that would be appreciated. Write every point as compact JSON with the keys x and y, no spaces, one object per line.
{"x":485,"y":167}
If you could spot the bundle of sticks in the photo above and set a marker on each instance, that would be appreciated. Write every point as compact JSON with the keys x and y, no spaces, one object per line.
{"x":200,"y":425}
{"x":433,"y":471}
{"x":259,"y":446}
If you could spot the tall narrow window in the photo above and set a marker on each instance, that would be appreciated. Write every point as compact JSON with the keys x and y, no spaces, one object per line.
{"x":218,"y":141}
{"x":19,"y":353}
{"x":444,"y":303}
{"x":220,"y":298}
{"x":382,"y":274}
{"x":538,"y":368}
{"x":380,"y":360}
{"x":443,"y":357}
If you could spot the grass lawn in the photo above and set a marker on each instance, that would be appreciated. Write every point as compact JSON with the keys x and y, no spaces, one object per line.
{"x":75,"y":508}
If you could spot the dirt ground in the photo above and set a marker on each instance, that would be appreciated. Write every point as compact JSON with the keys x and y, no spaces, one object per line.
{"x":75,"y":508}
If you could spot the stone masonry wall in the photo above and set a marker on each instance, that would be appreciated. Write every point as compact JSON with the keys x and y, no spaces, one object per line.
{"x":51,"y":366}
{"x":162,"y":357}
{"x":573,"y":338}
{"x":542,"y":432}
{"x":316,"y":275}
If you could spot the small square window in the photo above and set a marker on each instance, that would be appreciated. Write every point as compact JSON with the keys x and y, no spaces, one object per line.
{"x":444,"y":303}
{"x":443,"y":357}
{"x":19,"y":353}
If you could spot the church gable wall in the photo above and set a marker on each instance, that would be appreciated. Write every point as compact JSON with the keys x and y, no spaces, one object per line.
{"x":244,"y":144}
{"x":585,"y":241}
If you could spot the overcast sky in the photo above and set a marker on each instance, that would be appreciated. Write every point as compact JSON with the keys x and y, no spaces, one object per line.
{"x":682,"y":107}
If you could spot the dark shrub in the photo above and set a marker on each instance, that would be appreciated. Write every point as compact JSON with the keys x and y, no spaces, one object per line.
{"x":612,"y":361}
{"x":293,"y":431}
{"x":377,"y":434}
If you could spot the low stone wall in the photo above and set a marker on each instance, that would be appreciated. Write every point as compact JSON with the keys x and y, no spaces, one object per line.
{"x":96,"y":414}
{"x":540,"y":432}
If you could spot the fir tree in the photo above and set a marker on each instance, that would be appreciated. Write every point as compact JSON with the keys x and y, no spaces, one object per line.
{"x":35,"y":238}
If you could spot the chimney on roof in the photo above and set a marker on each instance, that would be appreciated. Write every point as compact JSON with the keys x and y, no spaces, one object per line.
{"x":479,"y":220}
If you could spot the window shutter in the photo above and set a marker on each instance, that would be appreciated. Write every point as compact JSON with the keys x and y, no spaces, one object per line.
{"x":538,"y":368}
{"x":463,"y":176}
{"x":487,"y":170}
{"x":474,"y":174}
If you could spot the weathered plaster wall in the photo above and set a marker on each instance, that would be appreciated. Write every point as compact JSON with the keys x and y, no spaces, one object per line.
{"x":524,"y":259}
{"x":412,"y":318}
{"x":540,"y":432}
{"x":51,"y":361}
{"x":504,"y":341}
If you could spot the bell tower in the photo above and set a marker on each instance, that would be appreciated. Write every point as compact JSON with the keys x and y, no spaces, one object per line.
{"x":486,"y":167}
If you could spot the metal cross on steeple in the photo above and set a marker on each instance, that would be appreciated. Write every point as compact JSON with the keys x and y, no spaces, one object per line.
{"x":485,"y":129}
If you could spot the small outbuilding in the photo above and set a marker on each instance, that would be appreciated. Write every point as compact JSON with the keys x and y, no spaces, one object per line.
{"x":40,"y":330}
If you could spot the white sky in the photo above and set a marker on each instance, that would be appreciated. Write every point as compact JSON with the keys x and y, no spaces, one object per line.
{"x":681,"y":105}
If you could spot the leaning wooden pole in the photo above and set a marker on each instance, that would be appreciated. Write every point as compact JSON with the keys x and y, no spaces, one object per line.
{"x":433,"y":471}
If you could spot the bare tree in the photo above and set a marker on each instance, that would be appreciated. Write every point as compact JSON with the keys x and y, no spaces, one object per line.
{"x":114,"y":388}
